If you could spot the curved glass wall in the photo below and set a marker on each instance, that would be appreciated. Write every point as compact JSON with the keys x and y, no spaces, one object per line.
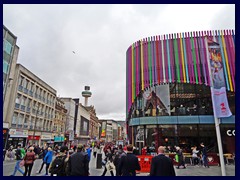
{"x":176,"y":99}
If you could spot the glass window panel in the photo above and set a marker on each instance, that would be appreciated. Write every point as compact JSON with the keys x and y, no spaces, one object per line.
{"x":26,"y":120}
{"x":26,"y":84}
{"x":23,"y":101}
{"x":10,"y":38}
{"x":14,"y":119}
{"x":21,"y":81}
{"x":5,"y":67}
{"x":20,"y":120}
{"x":7,"y":47}
{"x":6,"y":57}
{"x":18,"y":99}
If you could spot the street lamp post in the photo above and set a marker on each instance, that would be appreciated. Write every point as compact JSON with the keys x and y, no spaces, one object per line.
{"x":34,"y":129}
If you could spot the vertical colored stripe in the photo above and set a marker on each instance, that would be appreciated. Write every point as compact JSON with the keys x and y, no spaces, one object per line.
{"x":142,"y":87}
{"x":180,"y":57}
{"x":232,"y":48}
{"x":134,"y":76}
{"x":166,"y":78}
{"x":172,"y":59}
{"x":176,"y":58}
{"x":206,"y":59}
{"x":146,"y":62}
{"x":197,"y":59}
{"x":160,"y":60}
{"x":153,"y":63}
{"x":183,"y":63}
{"x":137,"y":69}
{"x":140,"y":67}
{"x":226,"y":58}
{"x":163,"y":62}
{"x":233,"y":35}
{"x":149,"y":61}
{"x":169,"y":61}
{"x":190,"y":59}
{"x":223,"y":61}
{"x":202,"y":58}
{"x":185,"y":57}
{"x":230,"y":58}
{"x":127,"y":82}
{"x":194,"y":59}
{"x":157,"y":60}
{"x":132,"y":73}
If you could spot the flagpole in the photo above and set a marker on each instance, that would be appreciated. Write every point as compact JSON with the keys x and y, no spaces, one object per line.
{"x":219,"y":141}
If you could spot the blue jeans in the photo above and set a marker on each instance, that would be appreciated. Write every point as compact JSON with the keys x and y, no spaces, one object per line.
{"x":205,"y":161}
{"x":17,"y":168}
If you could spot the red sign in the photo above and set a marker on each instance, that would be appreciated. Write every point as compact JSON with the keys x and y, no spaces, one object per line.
{"x":33,"y":137}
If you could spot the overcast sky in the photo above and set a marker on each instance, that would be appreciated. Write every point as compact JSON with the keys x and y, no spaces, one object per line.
{"x":99,"y":35}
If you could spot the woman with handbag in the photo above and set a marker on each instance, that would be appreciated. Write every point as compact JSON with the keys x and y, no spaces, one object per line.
{"x":29,"y":160}
{"x":108,"y":159}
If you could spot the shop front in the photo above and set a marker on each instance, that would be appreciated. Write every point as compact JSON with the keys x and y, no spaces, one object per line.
{"x":183,"y":135}
{"x":34,"y":138}
{"x":46,"y":139}
{"x":58,"y":140}
{"x":17,"y":136}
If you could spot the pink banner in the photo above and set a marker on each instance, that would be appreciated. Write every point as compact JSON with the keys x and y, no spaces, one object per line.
{"x":221,"y":103}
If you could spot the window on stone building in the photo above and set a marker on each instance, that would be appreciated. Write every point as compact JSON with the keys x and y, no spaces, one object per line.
{"x":14,"y":119}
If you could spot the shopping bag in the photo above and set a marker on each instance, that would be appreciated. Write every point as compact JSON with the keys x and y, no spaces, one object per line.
{"x":176,"y":158}
{"x":21,"y":164}
{"x":110,"y":166}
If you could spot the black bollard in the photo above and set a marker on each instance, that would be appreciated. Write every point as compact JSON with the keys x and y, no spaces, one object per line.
{"x":99,"y":161}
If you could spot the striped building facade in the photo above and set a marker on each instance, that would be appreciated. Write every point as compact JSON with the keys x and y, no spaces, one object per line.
{"x":178,"y":61}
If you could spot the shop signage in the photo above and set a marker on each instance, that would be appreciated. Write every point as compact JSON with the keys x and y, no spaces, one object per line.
{"x":33,"y":137}
{"x":58,"y":139}
{"x":45,"y":136}
{"x":231,"y":132}
{"x":18,"y":133}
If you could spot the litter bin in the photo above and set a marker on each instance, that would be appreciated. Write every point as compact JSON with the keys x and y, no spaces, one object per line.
{"x":99,"y":161}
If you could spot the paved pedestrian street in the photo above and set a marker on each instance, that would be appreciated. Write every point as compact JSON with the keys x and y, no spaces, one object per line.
{"x":8,"y":167}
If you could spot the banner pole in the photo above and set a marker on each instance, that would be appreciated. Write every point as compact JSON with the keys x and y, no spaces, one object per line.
{"x":219,"y":141}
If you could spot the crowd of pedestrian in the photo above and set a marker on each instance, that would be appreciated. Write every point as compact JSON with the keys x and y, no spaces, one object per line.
{"x":121,"y":160}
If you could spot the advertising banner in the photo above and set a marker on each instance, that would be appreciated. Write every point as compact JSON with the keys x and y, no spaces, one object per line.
{"x":218,"y":89}
{"x":18,"y":133}
{"x":157,"y":101}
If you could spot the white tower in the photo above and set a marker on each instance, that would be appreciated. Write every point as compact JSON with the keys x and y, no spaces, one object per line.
{"x":86,"y":93}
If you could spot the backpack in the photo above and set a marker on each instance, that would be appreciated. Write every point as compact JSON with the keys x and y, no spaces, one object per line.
{"x":58,"y":166}
{"x":22,"y":153}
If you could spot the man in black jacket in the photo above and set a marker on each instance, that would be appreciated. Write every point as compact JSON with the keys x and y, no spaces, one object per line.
{"x":78,"y":163}
{"x":162,"y":165}
{"x":44,"y":152}
{"x":128,"y":164}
